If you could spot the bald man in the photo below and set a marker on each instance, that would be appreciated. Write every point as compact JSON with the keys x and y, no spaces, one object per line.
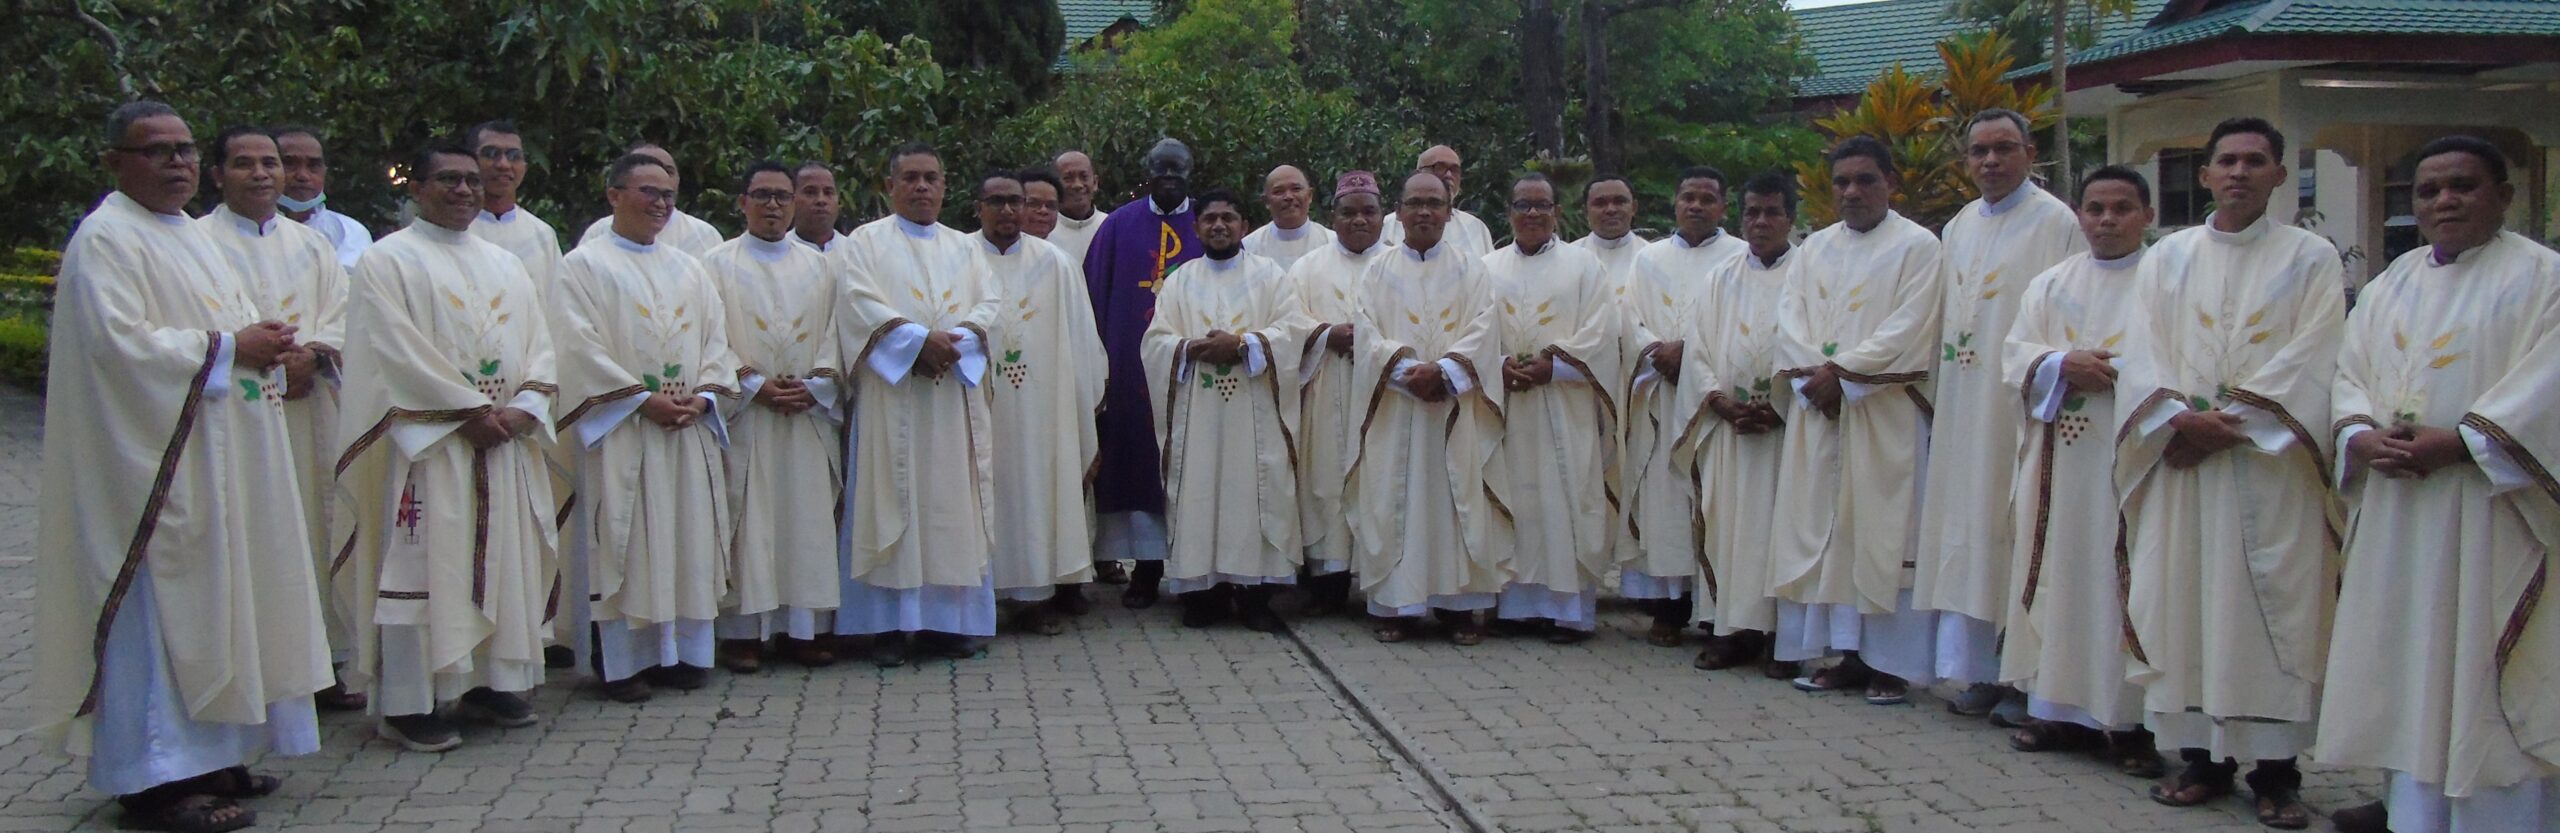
{"x":1466,"y":232}
{"x":1289,"y":235}
{"x":1079,"y":219}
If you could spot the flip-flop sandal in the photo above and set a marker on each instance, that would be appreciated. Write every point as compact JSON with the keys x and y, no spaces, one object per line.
{"x":199,"y":813}
{"x":2283,"y":810}
{"x":1888,"y":697}
{"x":238,"y":783}
{"x":1832,"y":679}
{"x":2181,"y":792}
{"x":2047,"y":736}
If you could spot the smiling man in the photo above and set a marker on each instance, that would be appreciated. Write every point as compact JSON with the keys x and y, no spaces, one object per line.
{"x":1609,"y":205}
{"x":647,"y":380}
{"x":786,"y":457}
{"x":1231,"y":322}
{"x":1559,"y":330}
{"x":2222,"y":459}
{"x":919,"y":300}
{"x":1329,"y":282}
{"x":1139,"y":244}
{"x":1049,"y":373}
{"x":2453,"y":534}
{"x":1079,"y":218}
{"x":169,"y":657}
{"x":687,"y":233}
{"x":1289,"y":235}
{"x":293,"y":274}
{"x":450,"y":570}
{"x":503,"y":218}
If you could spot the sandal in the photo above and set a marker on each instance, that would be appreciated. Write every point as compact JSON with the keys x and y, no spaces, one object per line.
{"x":2136,"y":754}
{"x":198,"y":813}
{"x":1393,"y":631}
{"x":1467,"y":633}
{"x":2283,"y":809}
{"x":1665,"y":635}
{"x":237,"y":783}
{"x":2187,"y":790}
{"x":1888,"y":690}
{"x":1842,"y":677}
{"x":2050,"y":736}
{"x":742,"y":656}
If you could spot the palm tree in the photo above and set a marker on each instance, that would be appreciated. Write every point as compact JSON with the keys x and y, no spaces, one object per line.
{"x":2045,"y":26}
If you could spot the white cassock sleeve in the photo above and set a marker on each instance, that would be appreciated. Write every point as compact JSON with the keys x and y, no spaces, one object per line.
{"x":606,"y":416}
{"x":896,"y":352}
{"x":719,"y":422}
{"x":2505,"y":474}
{"x":973,"y":356}
{"x":2044,"y":389}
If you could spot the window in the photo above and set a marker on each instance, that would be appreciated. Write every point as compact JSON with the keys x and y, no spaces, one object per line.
{"x":2183,"y":201}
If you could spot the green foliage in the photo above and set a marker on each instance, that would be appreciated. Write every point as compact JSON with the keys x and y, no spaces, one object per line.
{"x":721,"y":82}
{"x":26,"y":310}
{"x":22,"y":351}
{"x":2028,"y":24}
{"x":1219,"y":36}
{"x":1920,"y":117}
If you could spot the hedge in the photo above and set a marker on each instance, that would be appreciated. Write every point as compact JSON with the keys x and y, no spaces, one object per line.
{"x":26,"y":313}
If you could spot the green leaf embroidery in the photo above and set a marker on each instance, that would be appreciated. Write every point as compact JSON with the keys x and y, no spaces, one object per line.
{"x":1205,"y":380}
{"x":1760,"y":385}
{"x":2074,"y":404}
{"x":2199,"y":404}
{"x":1013,"y":357}
{"x":1964,"y":339}
{"x":489,"y":368}
{"x":1947,"y":353}
{"x":1829,"y":348}
{"x":249,"y":389}
{"x":673,"y":371}
{"x":649,"y":380}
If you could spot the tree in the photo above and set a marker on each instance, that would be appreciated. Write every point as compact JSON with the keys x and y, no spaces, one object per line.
{"x":1016,"y":39}
{"x":1921,"y":118}
{"x":2040,"y":28}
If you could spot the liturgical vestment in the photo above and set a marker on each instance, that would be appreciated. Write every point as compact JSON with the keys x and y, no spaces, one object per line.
{"x":1657,"y":549}
{"x":1560,"y":439}
{"x":1228,"y":430}
{"x":1328,"y":282}
{"x":1047,"y":383}
{"x":1732,"y":334}
{"x":783,"y":469}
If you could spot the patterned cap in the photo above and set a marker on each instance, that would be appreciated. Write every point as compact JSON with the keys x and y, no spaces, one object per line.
{"x":1356,"y":182}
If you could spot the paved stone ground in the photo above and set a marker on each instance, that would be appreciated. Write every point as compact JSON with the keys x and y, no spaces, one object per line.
{"x":1131,"y":723}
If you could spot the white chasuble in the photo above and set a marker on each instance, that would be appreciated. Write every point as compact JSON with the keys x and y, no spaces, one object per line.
{"x":293,"y":275}
{"x":2448,"y":653}
{"x":1992,"y":250}
{"x":651,"y":526}
{"x":921,"y":457}
{"x":168,"y":483}
{"x":1073,"y":237}
{"x":1658,"y":547}
{"x":1617,"y":256}
{"x":1560,"y":440}
{"x":1049,"y":374}
{"x":432,"y":532}
{"x":1731,"y":338}
{"x":1228,"y":430}
{"x":687,"y":233}
{"x":1427,"y":515}
{"x":1329,"y":401}
{"x":2232,"y":563}
{"x":527,"y":237}
{"x":1866,"y":301}
{"x":784,"y":470}
{"x":1466,"y":231}
{"x":2065,"y":642}
{"x":1285,"y":246}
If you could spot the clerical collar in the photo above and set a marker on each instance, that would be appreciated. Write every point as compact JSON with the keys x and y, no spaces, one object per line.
{"x":248,"y":227}
{"x":2435,"y":254}
{"x":1373,"y":246}
{"x":990,"y":244}
{"x":2017,"y":197}
{"x":1289,"y":233}
{"x":629,"y":245}
{"x":1234,"y":258}
{"x":2243,"y":237}
{"x":1073,"y":223}
{"x":439,"y":234}
{"x":768,"y":251}
{"x":507,"y":216}
{"x":1179,"y":209}
{"x":2130,"y":260}
{"x":1423,"y":255}
{"x":920,"y":231}
{"x":1542,"y":249}
{"x":829,"y":245}
{"x":1757,"y":263}
{"x":1682,"y":240}
{"x":1619,"y":241}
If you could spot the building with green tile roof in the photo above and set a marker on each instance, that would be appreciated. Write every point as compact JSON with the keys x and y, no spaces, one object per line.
{"x":1097,"y":22}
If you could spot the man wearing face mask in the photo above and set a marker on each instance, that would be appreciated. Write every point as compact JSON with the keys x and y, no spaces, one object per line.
{"x":293,"y":273}
{"x":305,"y":198}
{"x":1290,"y":234}
{"x":1138,"y":246}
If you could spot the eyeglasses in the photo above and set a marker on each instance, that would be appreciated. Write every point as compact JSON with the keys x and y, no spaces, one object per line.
{"x":1533,"y":206}
{"x":162,"y":152}
{"x":495,"y":153}
{"x":455,"y":179}
{"x":768,"y":196}
{"x":655,"y":195}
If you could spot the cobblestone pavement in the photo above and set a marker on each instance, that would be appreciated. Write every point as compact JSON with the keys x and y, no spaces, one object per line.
{"x":1131,"y":723}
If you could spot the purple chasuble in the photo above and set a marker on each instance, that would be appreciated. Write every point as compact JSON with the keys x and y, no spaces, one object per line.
{"x":1131,"y":254}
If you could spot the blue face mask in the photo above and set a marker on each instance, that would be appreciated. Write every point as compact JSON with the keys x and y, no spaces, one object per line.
{"x":288,"y":203}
